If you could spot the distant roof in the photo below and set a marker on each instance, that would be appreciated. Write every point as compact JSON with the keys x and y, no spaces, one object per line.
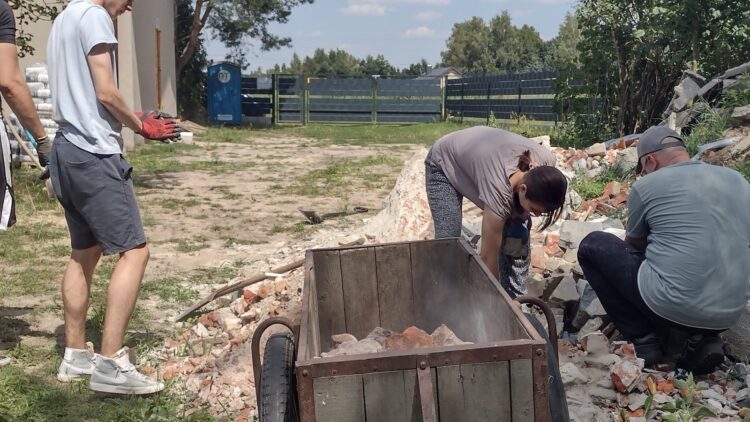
{"x":440,"y":72}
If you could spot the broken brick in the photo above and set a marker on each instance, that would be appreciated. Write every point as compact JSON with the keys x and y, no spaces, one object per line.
{"x":411,"y":338}
{"x":250,"y":297}
{"x":625,"y":375}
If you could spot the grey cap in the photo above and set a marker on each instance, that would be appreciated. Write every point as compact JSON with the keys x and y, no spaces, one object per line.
{"x":653,"y":139}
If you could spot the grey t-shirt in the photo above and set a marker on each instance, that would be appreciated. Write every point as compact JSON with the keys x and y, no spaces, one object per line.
{"x":696,"y":218}
{"x":83,"y":120}
{"x":479,"y":161}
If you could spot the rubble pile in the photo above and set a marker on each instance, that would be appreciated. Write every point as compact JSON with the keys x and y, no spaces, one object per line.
{"x":381,"y":340}
{"x":605,"y":382}
{"x":211,"y":358}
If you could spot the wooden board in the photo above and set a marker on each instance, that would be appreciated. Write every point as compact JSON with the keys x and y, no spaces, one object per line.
{"x":522,"y":390}
{"x":330,"y":297}
{"x":395,"y":286}
{"x":495,"y":316}
{"x":439,"y":272}
{"x":339,"y":399}
{"x":389,"y":397}
{"x":359,"y":278}
{"x":475,"y":392}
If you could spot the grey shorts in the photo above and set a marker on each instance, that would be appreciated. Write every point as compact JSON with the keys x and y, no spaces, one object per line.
{"x":97,"y":194}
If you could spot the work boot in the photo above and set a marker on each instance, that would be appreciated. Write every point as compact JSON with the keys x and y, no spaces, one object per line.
{"x":704,"y":354}
{"x":76,"y":363}
{"x":117,"y":375}
{"x":648,"y":348}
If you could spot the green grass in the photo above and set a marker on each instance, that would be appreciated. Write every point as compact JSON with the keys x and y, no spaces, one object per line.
{"x":170,"y":289}
{"x":594,"y":188}
{"x":345,"y":134}
{"x":35,"y":396}
{"x":709,"y":127}
{"x":154,"y":159}
{"x":192,"y":245}
{"x":341,"y":174}
{"x":744,"y":169}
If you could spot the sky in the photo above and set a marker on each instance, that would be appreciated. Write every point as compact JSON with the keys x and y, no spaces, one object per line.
{"x":404,"y":31}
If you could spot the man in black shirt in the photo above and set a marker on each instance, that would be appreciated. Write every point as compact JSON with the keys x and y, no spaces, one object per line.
{"x":16,"y":93}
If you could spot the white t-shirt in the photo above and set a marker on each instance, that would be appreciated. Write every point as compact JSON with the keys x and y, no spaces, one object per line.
{"x":83,"y":120}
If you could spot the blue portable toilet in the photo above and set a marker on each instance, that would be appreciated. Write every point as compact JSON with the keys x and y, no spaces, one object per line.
{"x":225,"y":94}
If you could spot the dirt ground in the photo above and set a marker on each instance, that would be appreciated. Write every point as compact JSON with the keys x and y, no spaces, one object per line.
{"x":213,"y":211}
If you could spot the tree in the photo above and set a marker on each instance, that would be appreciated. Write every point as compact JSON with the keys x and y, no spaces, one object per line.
{"x":563,"y":49}
{"x":28,"y":12}
{"x":416,"y":69}
{"x":633,"y":53}
{"x":469,"y":48}
{"x":376,"y":66}
{"x":235,"y":22}
{"x":191,"y":86}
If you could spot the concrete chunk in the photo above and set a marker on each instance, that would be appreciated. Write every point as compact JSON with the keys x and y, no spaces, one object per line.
{"x":742,"y":113}
{"x":572,"y":232}
{"x":571,"y":375}
{"x":566,"y":291}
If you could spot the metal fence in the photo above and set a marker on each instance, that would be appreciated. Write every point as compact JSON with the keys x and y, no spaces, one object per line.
{"x":506,"y":96}
{"x":298,"y":99}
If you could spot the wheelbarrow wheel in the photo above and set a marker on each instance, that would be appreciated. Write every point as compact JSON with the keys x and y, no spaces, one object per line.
{"x":278,"y":401}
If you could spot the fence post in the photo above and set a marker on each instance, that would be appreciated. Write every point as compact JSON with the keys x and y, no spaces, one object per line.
{"x":443,"y":98}
{"x":374,"y":99}
{"x":520,"y":92}
{"x":462,"y":100}
{"x":489,"y":107}
{"x":275,"y":99}
{"x":303,"y":99}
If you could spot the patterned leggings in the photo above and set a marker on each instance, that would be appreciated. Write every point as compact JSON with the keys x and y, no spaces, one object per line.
{"x":445,"y":204}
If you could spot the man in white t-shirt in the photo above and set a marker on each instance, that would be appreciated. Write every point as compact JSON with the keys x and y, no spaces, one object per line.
{"x":92,"y":181}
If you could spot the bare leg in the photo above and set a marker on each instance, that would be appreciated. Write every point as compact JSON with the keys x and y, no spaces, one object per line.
{"x":76,"y":288}
{"x":121,"y":297}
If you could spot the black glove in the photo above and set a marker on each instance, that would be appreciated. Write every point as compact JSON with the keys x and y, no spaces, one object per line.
{"x":43,"y":150}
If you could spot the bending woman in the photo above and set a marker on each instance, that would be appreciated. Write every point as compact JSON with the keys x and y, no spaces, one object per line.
{"x":509,"y":177}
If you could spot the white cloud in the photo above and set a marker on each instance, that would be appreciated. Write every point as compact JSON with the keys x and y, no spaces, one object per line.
{"x":367,"y":9}
{"x":428,"y":15}
{"x":420,"y":32}
{"x":316,"y":34}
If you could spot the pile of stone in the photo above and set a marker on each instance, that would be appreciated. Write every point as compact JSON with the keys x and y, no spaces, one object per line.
{"x":605,"y":381}
{"x":381,"y":340}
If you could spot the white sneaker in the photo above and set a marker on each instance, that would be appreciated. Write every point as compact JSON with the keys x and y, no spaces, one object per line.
{"x":76,"y":363}
{"x":118,"y":376}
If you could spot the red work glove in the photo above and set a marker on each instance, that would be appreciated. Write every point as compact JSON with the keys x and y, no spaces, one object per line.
{"x":157,"y":127}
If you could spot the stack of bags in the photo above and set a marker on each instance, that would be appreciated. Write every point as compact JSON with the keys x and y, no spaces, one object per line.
{"x":37,"y":79}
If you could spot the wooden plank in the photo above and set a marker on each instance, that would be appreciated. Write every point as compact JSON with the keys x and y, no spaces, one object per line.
{"x":476,"y":392}
{"x":339,"y":399}
{"x":541,"y":383}
{"x":439,"y":272}
{"x":304,"y":351}
{"x":330,"y":296}
{"x":386,"y":398}
{"x":395,"y":286}
{"x":522,"y":390}
{"x":360,"y":284}
{"x":497,"y":321}
{"x":305,"y":395}
{"x":486,"y":389}
{"x":313,"y":343}
{"x":450,"y":394}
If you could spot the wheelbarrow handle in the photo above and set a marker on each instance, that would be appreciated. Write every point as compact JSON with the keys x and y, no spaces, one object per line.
{"x":551,"y":324}
{"x":255,"y":346}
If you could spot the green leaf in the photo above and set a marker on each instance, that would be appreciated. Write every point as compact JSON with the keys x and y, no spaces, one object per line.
{"x":703,"y":411}
{"x":639,"y":33}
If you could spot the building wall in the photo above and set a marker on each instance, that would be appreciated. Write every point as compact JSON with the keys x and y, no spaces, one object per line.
{"x":137,"y":59}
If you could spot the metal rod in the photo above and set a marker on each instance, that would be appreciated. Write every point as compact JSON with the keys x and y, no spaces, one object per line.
{"x":551,"y":324}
